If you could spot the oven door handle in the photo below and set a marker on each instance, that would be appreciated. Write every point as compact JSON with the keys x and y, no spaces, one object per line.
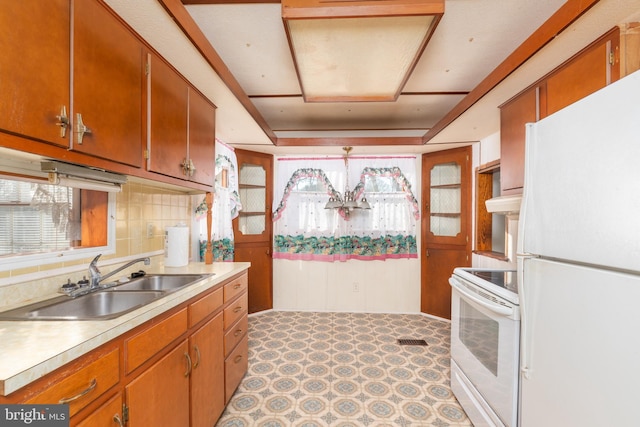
{"x":496,"y":308}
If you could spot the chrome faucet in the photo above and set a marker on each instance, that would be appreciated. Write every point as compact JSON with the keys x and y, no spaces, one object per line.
{"x":95,"y":277}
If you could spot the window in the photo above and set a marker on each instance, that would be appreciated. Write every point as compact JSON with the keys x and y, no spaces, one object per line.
{"x":305,"y":229}
{"x":44,"y":223}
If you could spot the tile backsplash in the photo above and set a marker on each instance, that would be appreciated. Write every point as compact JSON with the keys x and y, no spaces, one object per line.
{"x":142,"y":213}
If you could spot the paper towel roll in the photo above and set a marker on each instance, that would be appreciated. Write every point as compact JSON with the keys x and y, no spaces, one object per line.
{"x":176,"y":246}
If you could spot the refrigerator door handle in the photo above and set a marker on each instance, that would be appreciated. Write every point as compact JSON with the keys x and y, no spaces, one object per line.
{"x":525,"y":350}
{"x":496,"y":308}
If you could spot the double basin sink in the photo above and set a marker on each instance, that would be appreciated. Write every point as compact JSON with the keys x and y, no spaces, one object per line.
{"x":107,"y":303}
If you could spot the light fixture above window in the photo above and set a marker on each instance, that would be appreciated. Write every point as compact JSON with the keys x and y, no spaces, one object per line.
{"x":356,"y":51}
{"x":347,"y":201}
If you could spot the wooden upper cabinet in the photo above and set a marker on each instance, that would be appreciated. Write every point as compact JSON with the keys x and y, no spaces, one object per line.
{"x":201,"y":149}
{"x":589,"y":70}
{"x":182,"y":140}
{"x":592,"y":69}
{"x":168,"y":112}
{"x":108,"y":77}
{"x":34,"y":83}
{"x":513,"y":117}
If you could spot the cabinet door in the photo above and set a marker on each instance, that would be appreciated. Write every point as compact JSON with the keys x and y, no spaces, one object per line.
{"x":201,"y":138}
{"x":591,"y":70}
{"x":160,"y":396}
{"x":513,"y":117}
{"x":34,"y":82}
{"x":108,"y":75}
{"x":207,"y":377}
{"x":168,"y":112}
{"x":108,"y":414}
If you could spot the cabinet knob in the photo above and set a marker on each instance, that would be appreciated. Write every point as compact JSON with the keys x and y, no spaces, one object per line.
{"x":118,"y":420}
{"x":81,"y":129}
{"x":188,"y":168}
{"x":63,"y":121}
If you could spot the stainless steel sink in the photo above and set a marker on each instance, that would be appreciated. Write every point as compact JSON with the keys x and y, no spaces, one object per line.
{"x":160,"y":282}
{"x":95,"y":306}
{"x":106,"y":303}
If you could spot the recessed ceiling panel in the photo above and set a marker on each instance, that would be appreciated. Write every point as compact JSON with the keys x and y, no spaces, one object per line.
{"x":365,"y":59}
{"x":409,"y":112}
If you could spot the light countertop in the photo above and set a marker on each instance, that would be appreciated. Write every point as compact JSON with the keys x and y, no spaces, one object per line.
{"x":33,"y":348}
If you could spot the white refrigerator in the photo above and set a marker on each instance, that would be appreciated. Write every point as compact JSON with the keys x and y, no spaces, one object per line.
{"x":579,"y":264}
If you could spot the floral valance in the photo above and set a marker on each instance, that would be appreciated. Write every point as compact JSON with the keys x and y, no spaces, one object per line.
{"x":304,"y":229}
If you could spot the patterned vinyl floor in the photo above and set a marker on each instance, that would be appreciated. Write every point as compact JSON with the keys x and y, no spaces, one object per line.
{"x":343,"y":370}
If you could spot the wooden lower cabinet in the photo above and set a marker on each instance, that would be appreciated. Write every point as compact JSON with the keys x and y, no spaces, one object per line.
{"x":175,"y":370}
{"x":236,"y":343}
{"x":160,"y":396}
{"x":235,"y":366}
{"x":109,"y":414}
{"x":207,"y":375}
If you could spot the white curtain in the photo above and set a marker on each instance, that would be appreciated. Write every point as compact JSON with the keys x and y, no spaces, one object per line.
{"x":304,"y":229}
{"x":226,"y":205}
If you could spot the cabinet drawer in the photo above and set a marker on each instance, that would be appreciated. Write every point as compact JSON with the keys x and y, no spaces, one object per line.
{"x":147,"y":343}
{"x":84,"y":385}
{"x":235,"y":287}
{"x":235,"y":366}
{"x":105,"y":415}
{"x":235,"y":334}
{"x":236,"y":310}
{"x":205,"y":306}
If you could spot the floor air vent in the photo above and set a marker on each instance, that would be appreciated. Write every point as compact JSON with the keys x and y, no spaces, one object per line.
{"x":411,"y":342}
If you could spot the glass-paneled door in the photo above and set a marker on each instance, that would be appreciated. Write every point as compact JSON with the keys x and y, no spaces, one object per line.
{"x":446,"y":225}
{"x":252,"y":228}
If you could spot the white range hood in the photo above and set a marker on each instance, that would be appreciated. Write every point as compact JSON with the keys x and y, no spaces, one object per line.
{"x":507,"y":205}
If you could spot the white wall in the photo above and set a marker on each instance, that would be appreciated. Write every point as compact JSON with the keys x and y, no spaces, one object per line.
{"x":391,"y":286}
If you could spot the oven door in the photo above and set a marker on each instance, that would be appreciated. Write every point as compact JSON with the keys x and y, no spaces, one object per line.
{"x":485,"y":338}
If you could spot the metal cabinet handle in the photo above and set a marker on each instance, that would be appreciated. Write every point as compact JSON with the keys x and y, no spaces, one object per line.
{"x":237,"y":309}
{"x":63,"y":121}
{"x":81,"y":129}
{"x":188,"y":168}
{"x":189,"y":364}
{"x":92,"y":386}
{"x":237,"y":359}
{"x":197,"y":350}
{"x":117,"y":420}
{"x":237,"y":332}
{"x":237,"y":286}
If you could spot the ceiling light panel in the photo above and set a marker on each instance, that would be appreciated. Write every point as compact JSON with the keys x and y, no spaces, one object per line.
{"x":357,"y":51}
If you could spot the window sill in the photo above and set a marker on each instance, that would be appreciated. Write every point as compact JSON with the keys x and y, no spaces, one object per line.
{"x":494,"y":255}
